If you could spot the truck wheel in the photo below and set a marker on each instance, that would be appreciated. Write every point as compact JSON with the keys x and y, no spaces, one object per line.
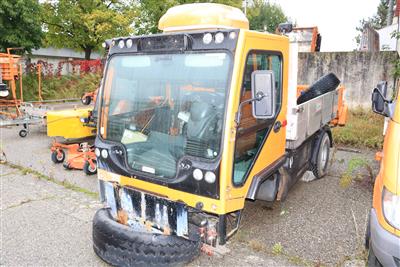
{"x":323,"y":85}
{"x":58,"y":158}
{"x":320,"y":167}
{"x":120,"y":245}
{"x":87,"y":168}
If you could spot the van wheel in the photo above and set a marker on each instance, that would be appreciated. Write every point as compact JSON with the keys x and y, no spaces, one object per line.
{"x":320,"y":167}
{"x":88,"y":169}
{"x":58,"y":158}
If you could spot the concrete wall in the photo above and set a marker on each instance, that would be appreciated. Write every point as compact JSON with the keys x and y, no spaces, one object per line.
{"x":358,"y":71}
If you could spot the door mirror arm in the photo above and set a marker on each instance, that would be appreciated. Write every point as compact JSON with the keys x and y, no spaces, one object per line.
{"x":238,"y":115}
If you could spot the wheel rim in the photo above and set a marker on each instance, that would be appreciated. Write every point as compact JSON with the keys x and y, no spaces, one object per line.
{"x":60,"y":156}
{"x":324,"y":155}
{"x":92,"y":169}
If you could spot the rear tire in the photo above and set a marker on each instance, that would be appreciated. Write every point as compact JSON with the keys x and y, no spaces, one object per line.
{"x":320,"y":167}
{"x":56,"y":158}
{"x":88,"y":170}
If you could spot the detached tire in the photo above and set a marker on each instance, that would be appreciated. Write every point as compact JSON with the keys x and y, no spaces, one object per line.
{"x":320,"y":166}
{"x":119,"y":245}
{"x":23,"y":133}
{"x":56,"y":158}
{"x":88,"y":170}
{"x":322,"y":86}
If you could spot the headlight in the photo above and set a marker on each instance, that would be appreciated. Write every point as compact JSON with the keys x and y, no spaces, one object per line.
{"x":391,"y":208}
{"x":129,"y":43}
{"x":104,"y":153}
{"x":219,"y":38}
{"x":210,"y":177}
{"x":121,"y":44}
{"x":197,"y":174}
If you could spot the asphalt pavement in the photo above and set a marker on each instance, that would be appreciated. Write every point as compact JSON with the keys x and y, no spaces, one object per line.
{"x":44,"y":223}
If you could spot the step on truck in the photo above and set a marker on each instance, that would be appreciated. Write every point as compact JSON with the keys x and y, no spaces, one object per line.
{"x":194,"y":121}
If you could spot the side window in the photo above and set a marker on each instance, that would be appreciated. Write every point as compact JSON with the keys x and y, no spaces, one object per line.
{"x":251,"y":132}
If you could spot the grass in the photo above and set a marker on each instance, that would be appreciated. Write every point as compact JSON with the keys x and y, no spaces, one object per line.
{"x":63,"y":87}
{"x":42,"y":176}
{"x":363,"y":130}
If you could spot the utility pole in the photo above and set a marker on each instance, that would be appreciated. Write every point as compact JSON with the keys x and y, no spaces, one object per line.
{"x":389,"y":18}
{"x":244,"y":4}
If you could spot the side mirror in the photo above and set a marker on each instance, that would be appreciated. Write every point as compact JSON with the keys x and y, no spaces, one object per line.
{"x":263,"y":92}
{"x":379,"y":102}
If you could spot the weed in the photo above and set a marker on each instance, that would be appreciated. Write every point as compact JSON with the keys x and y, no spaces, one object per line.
{"x":256,"y":245}
{"x":277,"y":248}
{"x":353,"y":165}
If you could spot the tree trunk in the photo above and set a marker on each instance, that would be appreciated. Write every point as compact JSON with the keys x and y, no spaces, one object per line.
{"x":88,"y":51}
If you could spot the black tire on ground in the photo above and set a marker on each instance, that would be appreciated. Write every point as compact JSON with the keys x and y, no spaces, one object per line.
{"x":86,"y":100}
{"x":320,"y":167}
{"x":323,"y":85}
{"x":119,"y":245}
{"x":372,"y":259}
{"x":56,"y":158}
{"x":23,"y":133}
{"x":88,"y":170}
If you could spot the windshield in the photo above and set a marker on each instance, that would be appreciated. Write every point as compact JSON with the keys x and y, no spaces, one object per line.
{"x":163,"y":107}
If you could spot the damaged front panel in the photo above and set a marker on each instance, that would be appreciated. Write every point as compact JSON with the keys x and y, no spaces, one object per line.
{"x":145,"y":212}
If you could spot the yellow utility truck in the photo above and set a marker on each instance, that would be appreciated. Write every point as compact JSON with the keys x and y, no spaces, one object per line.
{"x":194,"y":121}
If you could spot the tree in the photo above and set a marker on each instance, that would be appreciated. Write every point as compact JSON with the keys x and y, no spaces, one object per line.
{"x":20,"y":24}
{"x":152,"y":10}
{"x":377,"y":22}
{"x":85,"y":24}
{"x":265,"y":16}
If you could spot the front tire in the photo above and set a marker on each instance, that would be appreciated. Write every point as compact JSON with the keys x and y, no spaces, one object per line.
{"x":58,"y":158}
{"x":120,"y":245}
{"x":88,"y":169}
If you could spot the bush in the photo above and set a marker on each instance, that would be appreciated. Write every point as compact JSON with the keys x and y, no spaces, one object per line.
{"x":63,"y":87}
{"x":363,"y":130}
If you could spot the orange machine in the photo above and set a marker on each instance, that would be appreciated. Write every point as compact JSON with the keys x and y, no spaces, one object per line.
{"x":80,"y":156}
{"x":10,"y":72}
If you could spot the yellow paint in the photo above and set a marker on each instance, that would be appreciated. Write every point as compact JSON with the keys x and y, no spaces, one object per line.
{"x":67,"y":124}
{"x":202,"y":16}
{"x":389,"y":174}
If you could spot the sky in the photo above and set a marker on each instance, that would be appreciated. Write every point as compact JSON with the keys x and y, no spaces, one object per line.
{"x":336,"y":19}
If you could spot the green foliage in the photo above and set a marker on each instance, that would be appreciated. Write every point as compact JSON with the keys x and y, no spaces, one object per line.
{"x":378,"y":21}
{"x":363,"y":129}
{"x":20,"y":24}
{"x":85,"y":24}
{"x":67,"y":86}
{"x":354,"y":165}
{"x":265,"y":16}
{"x":150,"y":12}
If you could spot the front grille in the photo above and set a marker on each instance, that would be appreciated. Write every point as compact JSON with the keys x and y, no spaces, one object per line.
{"x":196,"y":147}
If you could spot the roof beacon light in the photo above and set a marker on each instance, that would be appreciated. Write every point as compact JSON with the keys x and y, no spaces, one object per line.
{"x":202,"y":16}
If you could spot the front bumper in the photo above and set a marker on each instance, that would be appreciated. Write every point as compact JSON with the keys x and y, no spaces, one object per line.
{"x":385,"y":245}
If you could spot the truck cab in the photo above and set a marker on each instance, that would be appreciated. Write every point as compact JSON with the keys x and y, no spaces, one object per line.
{"x":383,"y":232}
{"x":192,"y":122}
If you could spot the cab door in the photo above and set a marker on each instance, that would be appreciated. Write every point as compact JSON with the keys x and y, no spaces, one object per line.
{"x":258,"y":144}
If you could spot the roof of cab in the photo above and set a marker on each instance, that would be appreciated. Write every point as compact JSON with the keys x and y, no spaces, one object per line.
{"x":202,"y":16}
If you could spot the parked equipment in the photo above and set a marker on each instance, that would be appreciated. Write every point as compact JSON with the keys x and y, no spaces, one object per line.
{"x":194,"y":121}
{"x":383,"y":230}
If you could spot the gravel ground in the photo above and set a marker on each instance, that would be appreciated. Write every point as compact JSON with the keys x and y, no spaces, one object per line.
{"x":320,"y":222}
